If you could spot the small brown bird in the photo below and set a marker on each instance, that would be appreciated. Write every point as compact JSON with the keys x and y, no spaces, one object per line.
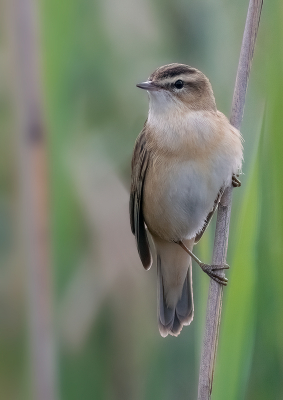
{"x":184,"y":158}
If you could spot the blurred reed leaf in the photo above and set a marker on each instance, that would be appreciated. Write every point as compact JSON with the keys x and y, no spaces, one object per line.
{"x":267,"y":369}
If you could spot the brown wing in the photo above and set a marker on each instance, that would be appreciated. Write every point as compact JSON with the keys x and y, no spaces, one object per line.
{"x":209,"y":217}
{"x":139,"y":167}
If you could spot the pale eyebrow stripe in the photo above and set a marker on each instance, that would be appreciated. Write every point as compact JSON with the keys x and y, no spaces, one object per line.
{"x":174,"y":79}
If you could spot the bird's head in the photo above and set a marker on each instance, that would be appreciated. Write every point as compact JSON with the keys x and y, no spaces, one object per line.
{"x":178,"y":86}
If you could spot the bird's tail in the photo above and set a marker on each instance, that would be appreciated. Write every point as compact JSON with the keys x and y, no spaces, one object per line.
{"x":175,"y":291}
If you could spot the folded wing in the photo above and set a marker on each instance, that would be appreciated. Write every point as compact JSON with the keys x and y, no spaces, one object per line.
{"x":139,"y":167}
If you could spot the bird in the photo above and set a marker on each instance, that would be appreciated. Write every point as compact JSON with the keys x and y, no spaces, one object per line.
{"x":185,"y":156}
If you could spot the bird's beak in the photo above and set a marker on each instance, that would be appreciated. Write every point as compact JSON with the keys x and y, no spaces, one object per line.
{"x":149,"y":85}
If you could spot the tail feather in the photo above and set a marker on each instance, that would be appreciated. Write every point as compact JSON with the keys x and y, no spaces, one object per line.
{"x":185,"y":305}
{"x":175,"y":295}
{"x":166,"y":315}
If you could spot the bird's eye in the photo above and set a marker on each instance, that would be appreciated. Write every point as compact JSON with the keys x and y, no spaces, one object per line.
{"x":179,"y":84}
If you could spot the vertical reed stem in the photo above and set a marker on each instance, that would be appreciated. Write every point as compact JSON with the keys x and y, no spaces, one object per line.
{"x":214,"y":304}
{"x":34,"y":187}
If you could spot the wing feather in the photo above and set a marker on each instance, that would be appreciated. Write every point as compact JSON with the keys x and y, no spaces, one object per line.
{"x":139,"y":167}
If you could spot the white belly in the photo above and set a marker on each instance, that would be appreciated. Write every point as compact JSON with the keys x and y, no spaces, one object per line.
{"x":176,"y":204}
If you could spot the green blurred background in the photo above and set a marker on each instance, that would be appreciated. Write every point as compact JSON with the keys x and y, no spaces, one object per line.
{"x":107,"y":344}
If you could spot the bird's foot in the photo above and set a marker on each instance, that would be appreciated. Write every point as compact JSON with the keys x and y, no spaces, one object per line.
{"x":213,"y":272}
{"x":235,"y":181}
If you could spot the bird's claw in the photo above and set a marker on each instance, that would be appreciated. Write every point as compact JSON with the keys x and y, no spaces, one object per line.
{"x":212,"y":272}
{"x":216,"y":267}
{"x":235,"y":181}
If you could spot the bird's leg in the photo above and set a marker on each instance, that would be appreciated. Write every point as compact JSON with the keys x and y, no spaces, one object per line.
{"x":235,"y":181}
{"x":210,"y":270}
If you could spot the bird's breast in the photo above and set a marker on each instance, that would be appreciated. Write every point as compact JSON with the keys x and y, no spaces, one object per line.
{"x":177,"y":198}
